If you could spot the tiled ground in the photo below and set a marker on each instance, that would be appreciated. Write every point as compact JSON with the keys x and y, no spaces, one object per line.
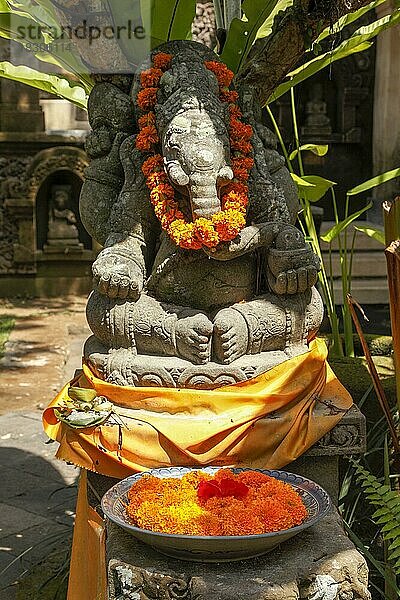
{"x":37,"y":492}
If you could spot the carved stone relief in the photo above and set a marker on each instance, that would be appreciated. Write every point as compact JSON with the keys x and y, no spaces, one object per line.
{"x":20,"y":180}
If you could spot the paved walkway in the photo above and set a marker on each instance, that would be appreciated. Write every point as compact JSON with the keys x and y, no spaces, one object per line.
{"x":37,"y":494}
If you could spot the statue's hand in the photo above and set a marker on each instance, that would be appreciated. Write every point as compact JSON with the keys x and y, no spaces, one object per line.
{"x":117,"y":276}
{"x":292,"y":271}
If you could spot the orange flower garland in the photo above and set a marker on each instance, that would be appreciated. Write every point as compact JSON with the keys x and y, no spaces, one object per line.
{"x":225,"y":224}
{"x":226,"y":504}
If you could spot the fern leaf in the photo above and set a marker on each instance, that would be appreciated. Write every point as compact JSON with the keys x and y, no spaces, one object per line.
{"x":388,"y":513}
{"x":394,"y":545}
{"x":393,"y":533}
{"x":395,"y":554}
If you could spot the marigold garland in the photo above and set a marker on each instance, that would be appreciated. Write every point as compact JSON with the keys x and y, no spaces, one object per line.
{"x":225,"y":224}
{"x":226,"y":504}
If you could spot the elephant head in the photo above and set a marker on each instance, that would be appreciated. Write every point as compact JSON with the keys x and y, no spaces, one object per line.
{"x":192,"y":124}
{"x":196,"y":159}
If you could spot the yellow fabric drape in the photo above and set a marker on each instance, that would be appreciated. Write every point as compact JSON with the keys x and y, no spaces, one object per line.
{"x":266,"y":422}
{"x":88,"y":574}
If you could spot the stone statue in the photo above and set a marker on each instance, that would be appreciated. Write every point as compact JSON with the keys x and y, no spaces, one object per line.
{"x":170,"y":316}
{"x":62,"y":231}
{"x":317,"y":121}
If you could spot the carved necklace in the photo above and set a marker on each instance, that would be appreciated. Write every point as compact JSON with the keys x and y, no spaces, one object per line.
{"x":224,"y":225}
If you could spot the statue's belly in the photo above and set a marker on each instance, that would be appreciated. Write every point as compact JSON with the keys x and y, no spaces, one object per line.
{"x":204,"y":283}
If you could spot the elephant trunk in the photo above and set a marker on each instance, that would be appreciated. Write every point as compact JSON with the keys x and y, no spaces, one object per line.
{"x":204,"y":199}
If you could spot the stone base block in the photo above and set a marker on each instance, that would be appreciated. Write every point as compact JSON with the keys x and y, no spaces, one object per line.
{"x":319,"y":564}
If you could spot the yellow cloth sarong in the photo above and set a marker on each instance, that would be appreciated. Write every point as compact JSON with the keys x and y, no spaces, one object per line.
{"x":266,"y":422}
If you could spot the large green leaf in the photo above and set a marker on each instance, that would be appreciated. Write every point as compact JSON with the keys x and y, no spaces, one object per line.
{"x":167,"y":20}
{"x":37,"y":13}
{"x":312,"y":187}
{"x":347,"y":20}
{"x":15,"y":24}
{"x":374,"y":182}
{"x":318,"y":149}
{"x":358,"y":42}
{"x":372,"y":232}
{"x":337,"y":229}
{"x":266,"y":27}
{"x":243,"y":32}
{"x":59,"y":85}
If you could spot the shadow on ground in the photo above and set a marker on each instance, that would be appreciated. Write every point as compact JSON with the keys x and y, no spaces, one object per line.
{"x":37,"y":504}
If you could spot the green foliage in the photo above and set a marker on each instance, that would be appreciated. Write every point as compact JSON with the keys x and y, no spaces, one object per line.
{"x":312,"y":187}
{"x":373,"y":232}
{"x":359,"y":41}
{"x":371,"y":183}
{"x":317,"y":149}
{"x":55,"y":84}
{"x":14,"y":15}
{"x":171,"y":19}
{"x":387,"y":515}
{"x":347,"y":20}
{"x":167,"y":19}
{"x":266,"y":28}
{"x":337,"y":229}
{"x":243,"y":32}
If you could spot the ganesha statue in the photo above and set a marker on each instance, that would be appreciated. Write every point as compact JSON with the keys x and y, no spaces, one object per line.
{"x":204,"y":279}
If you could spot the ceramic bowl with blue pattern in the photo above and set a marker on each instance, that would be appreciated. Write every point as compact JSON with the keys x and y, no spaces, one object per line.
{"x":215,"y":548}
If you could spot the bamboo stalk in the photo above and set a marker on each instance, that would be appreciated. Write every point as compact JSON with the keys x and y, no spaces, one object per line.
{"x":375,"y":377}
{"x":392,"y":254}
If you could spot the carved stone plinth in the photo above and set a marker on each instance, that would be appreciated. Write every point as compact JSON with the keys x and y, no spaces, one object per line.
{"x":319,"y":564}
{"x":124,"y":368}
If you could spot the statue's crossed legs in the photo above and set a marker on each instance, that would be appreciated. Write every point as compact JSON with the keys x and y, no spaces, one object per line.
{"x":147,"y":326}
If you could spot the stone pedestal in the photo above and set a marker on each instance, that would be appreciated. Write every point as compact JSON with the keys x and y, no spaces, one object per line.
{"x":319,"y":564}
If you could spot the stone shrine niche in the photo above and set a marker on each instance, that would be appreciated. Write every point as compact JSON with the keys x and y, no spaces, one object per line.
{"x":58,"y":225}
{"x":45,"y":251}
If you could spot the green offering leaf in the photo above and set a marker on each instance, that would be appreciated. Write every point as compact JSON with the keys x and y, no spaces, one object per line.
{"x":82,"y":394}
{"x":372,"y":232}
{"x":78,"y":419}
{"x":318,"y":149}
{"x":337,"y":229}
{"x":374,"y":182}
